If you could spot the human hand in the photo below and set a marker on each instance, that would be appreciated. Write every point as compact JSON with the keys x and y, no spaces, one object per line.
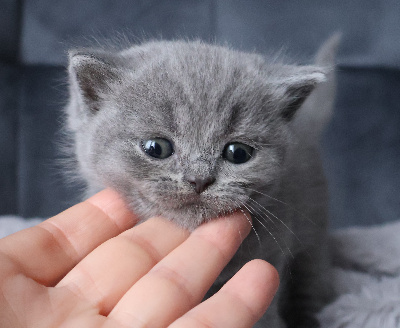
{"x":153,"y":275}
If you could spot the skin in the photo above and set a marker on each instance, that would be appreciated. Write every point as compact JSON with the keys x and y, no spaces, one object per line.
{"x":90,"y":266}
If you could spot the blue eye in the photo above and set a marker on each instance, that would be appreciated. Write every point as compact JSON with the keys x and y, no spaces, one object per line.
{"x":158,"y":148}
{"x":237,"y":153}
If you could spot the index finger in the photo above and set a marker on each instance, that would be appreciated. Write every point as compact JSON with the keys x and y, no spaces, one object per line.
{"x":46,"y":252}
{"x":181,"y":279}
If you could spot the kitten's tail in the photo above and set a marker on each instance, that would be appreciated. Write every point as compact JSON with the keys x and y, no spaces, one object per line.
{"x":316,"y":111}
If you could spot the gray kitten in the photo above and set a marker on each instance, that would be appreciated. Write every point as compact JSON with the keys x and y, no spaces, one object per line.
{"x":192,"y":131}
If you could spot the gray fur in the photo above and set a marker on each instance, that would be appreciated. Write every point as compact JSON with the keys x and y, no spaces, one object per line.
{"x":202,"y":97}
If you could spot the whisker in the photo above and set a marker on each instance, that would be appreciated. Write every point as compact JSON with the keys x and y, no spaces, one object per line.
{"x":281,"y":221}
{"x":230,"y":211}
{"x":252,"y":226}
{"x":270,"y":233}
{"x":248,"y":219}
{"x":282,"y":202}
{"x":254,"y":212}
{"x":251,"y":211}
{"x":260,"y":213}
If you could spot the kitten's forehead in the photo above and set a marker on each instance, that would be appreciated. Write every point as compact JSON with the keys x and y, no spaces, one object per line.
{"x":201,"y":93}
{"x":210,"y":87}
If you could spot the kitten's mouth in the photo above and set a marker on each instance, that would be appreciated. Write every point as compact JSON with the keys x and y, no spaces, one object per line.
{"x":196,"y":200}
{"x":192,"y":202}
{"x":205,"y":206}
{"x":191,"y":210}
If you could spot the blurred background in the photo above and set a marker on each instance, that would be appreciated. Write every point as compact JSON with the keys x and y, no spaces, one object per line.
{"x":361,"y":146}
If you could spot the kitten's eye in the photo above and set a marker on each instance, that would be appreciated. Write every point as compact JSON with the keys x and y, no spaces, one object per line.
{"x":158,"y":148}
{"x":237,"y":152}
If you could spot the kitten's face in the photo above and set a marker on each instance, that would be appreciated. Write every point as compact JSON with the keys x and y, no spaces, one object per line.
{"x":186,"y":131}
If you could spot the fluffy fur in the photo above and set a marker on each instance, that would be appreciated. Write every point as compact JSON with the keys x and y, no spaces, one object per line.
{"x":202,"y":97}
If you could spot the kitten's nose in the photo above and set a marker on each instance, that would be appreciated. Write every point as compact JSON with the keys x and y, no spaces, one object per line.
{"x":199,"y":183}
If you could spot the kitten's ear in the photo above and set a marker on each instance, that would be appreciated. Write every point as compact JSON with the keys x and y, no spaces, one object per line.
{"x":297,"y":85}
{"x":91,"y":75}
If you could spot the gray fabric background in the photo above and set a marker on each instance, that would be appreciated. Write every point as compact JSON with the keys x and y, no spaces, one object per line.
{"x":361,"y":145}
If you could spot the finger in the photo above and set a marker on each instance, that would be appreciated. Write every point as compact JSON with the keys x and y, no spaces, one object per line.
{"x":240,"y":303}
{"x":180,"y":280}
{"x":105,"y":275}
{"x":46,"y":252}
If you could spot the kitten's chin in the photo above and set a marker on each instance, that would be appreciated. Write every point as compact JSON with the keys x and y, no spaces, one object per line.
{"x":190,"y":220}
{"x":191,"y":214}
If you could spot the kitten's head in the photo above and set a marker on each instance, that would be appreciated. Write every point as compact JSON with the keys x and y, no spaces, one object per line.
{"x":183,"y":129}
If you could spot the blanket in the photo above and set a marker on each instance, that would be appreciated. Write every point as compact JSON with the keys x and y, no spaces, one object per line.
{"x":366,"y":275}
